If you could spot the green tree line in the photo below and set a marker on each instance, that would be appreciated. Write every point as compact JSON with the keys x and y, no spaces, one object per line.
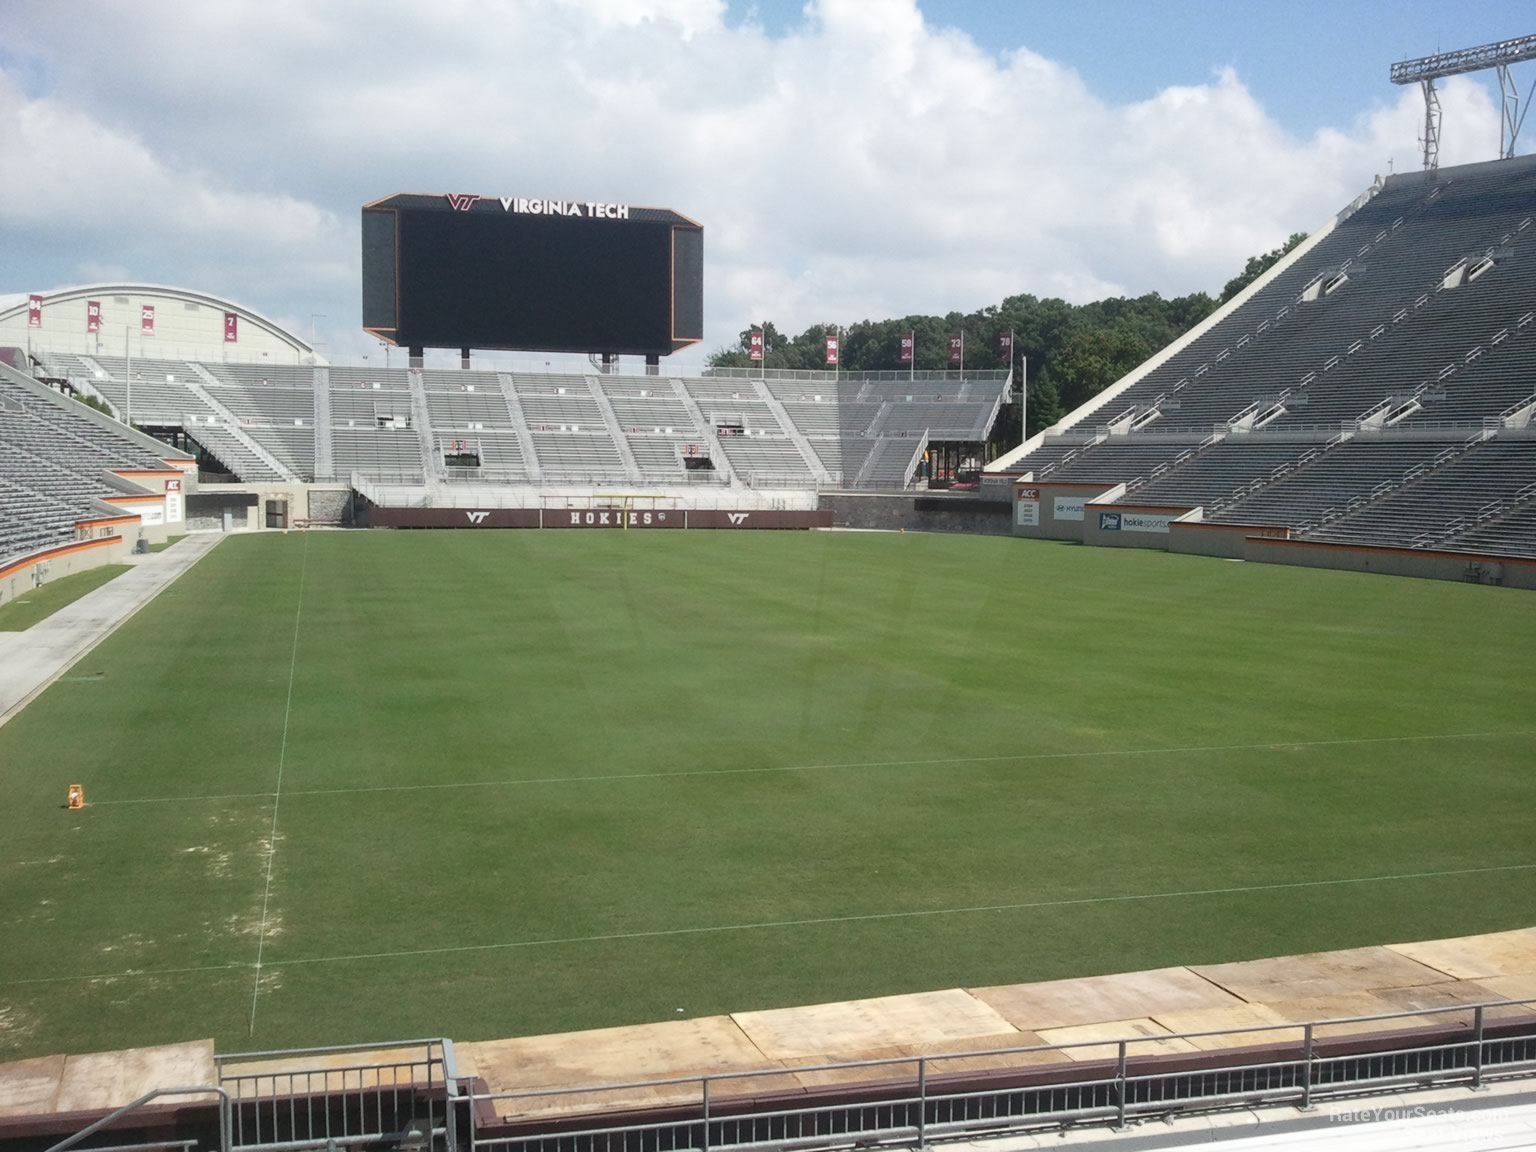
{"x":1073,"y":351}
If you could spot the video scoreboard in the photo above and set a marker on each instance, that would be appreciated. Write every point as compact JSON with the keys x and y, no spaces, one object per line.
{"x":507,"y":273}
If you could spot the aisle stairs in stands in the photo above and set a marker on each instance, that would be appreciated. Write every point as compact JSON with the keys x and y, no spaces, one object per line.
{"x":716,"y":452}
{"x":421,"y":421}
{"x":254,"y":462}
{"x":796,"y":437}
{"x":520,"y":426}
{"x":616,"y":430}
{"x":325,"y":456}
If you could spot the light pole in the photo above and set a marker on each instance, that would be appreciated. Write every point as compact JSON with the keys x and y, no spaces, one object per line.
{"x":313,"y":316}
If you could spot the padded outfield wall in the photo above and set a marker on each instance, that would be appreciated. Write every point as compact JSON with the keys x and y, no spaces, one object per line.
{"x":1085,"y":513}
{"x":679,"y":518}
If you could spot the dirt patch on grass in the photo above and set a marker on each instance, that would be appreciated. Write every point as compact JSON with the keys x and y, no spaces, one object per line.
{"x":17,"y":1027}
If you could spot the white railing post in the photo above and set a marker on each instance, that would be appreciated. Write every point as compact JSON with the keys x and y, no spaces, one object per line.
{"x":1306,"y":1069}
{"x":1120,"y":1088}
{"x":922,"y":1102}
{"x":1477,"y":1058}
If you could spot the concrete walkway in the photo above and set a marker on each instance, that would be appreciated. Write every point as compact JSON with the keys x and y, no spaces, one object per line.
{"x":32,"y":660}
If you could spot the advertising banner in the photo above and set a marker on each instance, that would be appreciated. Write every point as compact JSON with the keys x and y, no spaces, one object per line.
{"x":1147,"y":521}
{"x":1068,"y":507}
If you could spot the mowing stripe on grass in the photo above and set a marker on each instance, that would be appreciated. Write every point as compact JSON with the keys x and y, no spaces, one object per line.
{"x":277,"y":792}
{"x":1193,"y":749}
{"x":865,"y":916}
{"x":760,"y":925}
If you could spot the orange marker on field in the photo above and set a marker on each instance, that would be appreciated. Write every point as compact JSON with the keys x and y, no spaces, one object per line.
{"x":75,"y":798}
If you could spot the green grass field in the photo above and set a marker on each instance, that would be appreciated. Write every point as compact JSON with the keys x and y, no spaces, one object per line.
{"x":42,"y":602}
{"x":486,"y":784}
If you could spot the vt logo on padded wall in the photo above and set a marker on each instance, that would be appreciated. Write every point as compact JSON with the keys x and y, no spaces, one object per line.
{"x":477,"y":517}
{"x":461,"y":201}
{"x":737,"y":518}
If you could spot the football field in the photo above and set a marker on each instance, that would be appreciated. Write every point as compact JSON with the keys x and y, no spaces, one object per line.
{"x":363,"y":786}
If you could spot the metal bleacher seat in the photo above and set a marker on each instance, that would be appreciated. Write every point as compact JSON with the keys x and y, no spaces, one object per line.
{"x":1510,"y":531}
{"x":1324,"y":487}
{"x":1434,"y":503}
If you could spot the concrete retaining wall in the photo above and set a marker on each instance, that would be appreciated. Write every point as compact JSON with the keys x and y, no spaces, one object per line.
{"x":1043,"y":510}
{"x":20,"y":578}
{"x":918,"y":513}
{"x":1230,"y":541}
{"x":1132,"y":525}
{"x":1461,"y":566}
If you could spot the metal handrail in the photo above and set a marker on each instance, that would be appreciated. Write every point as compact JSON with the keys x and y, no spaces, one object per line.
{"x":1020,"y":1050}
{"x":118,"y":1114}
{"x":1114,"y":1091}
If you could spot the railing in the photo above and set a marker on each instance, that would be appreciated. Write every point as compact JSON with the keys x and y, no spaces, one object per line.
{"x":1036,"y":1088}
{"x":113,"y":1117}
{"x":779,"y":480}
{"x":338,"y":1097}
{"x":851,"y":377}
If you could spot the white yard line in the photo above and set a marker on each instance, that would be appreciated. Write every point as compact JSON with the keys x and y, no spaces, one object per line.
{"x":763,"y":925}
{"x":277,"y":792}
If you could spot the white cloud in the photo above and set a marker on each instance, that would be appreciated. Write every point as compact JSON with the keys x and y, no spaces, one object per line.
{"x":866,"y":164}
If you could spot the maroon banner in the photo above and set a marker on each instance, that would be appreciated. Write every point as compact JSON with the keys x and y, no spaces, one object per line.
{"x":1005,"y":346}
{"x":34,"y":311}
{"x":832,"y":351}
{"x":908,"y":347}
{"x":453,"y":517}
{"x":615,"y":518}
{"x":147,"y":319}
{"x":956,"y":348}
{"x":93,"y":315}
{"x":611,"y":518}
{"x":755,"y":345}
{"x":758,"y":518}
{"x":231,"y":328}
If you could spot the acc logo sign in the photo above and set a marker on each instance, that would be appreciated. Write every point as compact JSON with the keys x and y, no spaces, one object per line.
{"x":461,"y":201}
{"x":737,"y":518}
{"x":477,"y":517}
{"x":1109,"y":521}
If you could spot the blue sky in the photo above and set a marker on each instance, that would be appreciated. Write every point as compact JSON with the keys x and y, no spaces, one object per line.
{"x":1308,"y":61}
{"x":874,"y":158}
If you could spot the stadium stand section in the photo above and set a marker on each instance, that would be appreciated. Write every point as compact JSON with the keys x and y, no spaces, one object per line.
{"x":1375,"y":387}
{"x":55,"y":464}
{"x":311,"y":422}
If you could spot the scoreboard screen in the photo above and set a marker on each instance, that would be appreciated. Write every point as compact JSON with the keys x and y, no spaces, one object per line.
{"x":464,"y":271}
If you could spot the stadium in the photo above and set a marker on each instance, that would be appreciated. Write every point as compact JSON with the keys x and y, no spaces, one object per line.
{"x":911,"y":790}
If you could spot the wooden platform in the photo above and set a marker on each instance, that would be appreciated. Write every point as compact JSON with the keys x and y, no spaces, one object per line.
{"x":776,"y":1051}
